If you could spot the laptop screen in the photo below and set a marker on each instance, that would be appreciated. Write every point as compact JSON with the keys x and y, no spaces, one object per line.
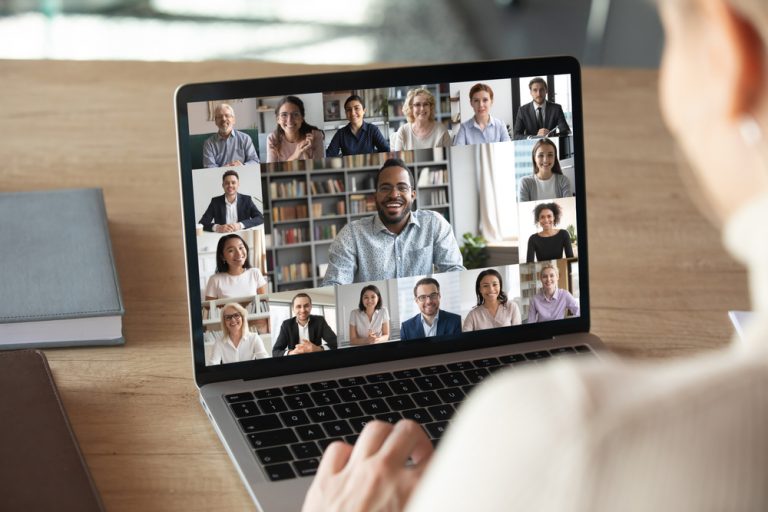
{"x":346,"y":218}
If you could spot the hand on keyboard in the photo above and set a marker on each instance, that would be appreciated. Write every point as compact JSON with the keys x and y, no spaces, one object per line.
{"x":372,"y":475}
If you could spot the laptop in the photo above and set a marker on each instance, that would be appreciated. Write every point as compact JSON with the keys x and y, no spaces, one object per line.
{"x":373,"y":245}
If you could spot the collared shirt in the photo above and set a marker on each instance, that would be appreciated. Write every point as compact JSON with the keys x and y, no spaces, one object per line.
{"x":218,"y":151}
{"x":365,"y":250}
{"x":542,"y":308}
{"x":471,"y":133}
{"x":231,"y":210}
{"x":251,"y":347}
{"x":430,"y":330}
{"x":304,"y":335}
{"x":368,"y":140}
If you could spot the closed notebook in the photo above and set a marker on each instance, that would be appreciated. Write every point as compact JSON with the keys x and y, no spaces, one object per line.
{"x":41,"y":466}
{"x":59,"y":284}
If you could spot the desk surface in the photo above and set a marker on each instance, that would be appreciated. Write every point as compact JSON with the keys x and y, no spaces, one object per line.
{"x":661,"y":283}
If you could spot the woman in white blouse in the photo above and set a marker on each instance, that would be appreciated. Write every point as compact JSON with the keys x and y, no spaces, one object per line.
{"x":237,"y":343}
{"x":494,"y":309}
{"x":421,"y":131}
{"x":369,"y":323}
{"x":234,"y":275}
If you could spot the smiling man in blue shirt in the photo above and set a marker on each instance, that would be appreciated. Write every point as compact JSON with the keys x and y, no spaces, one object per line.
{"x":357,"y":137}
{"x":396,"y":242}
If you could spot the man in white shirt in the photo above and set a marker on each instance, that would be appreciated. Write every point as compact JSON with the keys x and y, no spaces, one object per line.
{"x":231,"y":211}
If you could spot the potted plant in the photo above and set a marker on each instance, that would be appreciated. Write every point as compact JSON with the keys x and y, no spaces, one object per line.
{"x":473,"y":250}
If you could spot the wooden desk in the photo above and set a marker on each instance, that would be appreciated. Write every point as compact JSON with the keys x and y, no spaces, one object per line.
{"x":661,"y":284}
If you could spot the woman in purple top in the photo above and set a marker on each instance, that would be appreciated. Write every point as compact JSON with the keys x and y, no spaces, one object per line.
{"x":551,"y":302}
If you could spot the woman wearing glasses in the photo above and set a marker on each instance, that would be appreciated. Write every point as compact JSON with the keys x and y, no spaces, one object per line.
{"x":293,"y":138}
{"x":238,"y":343}
{"x":494,"y":309}
{"x":421,"y":131}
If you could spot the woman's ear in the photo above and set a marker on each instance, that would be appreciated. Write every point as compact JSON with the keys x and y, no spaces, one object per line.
{"x":738,"y":52}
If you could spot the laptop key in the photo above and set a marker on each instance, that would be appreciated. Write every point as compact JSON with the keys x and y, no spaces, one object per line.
{"x":295,"y":389}
{"x":403,"y":387}
{"x":562,"y":351}
{"x":274,"y":455}
{"x":437,"y":429}
{"x":337,"y":428}
{"x":583,"y":349}
{"x":451,"y":395}
{"x":325,"y":443}
{"x":512,"y":358}
{"x":245,"y":409}
{"x":454,"y":379}
{"x":374,"y":406}
{"x":305,"y":450}
{"x":407,"y":374}
{"x":277,"y":472}
{"x":260,"y":423}
{"x":466,"y":389}
{"x":418,"y":415}
{"x":477,"y":375}
{"x":358,"y":424}
{"x":352,"y":381}
{"x":380,"y":377}
{"x":352,"y":394}
{"x":351,"y":439}
{"x":486,"y":362}
{"x":306,"y":467}
{"x":270,"y":405}
{"x":324,"y":384}
{"x":327,"y":397}
{"x":400,"y":403}
{"x":441,"y":412}
{"x":377,"y":390}
{"x":310,"y":432}
{"x":460,"y":366}
{"x":536,"y":355}
{"x":428,"y":382}
{"x":351,"y":410}
{"x":238,"y":397}
{"x":268,"y":393}
{"x":294,"y":418}
{"x":433,"y":370}
{"x":426,"y":399}
{"x":272,"y":438}
{"x":300,"y":401}
{"x":321,"y":414}
{"x":390,"y":417}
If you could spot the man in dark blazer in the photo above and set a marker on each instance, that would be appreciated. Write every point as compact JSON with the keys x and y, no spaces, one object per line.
{"x":244,"y":212}
{"x":539,"y":117}
{"x":431,"y":320}
{"x":304,"y":333}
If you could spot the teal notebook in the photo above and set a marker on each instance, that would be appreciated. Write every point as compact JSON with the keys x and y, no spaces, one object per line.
{"x":59,"y":283}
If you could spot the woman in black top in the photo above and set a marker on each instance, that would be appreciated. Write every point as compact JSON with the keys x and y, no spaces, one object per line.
{"x":550,"y":242}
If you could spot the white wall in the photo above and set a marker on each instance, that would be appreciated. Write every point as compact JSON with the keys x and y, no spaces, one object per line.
{"x":348,"y":298}
{"x":463,"y":176}
{"x":246,"y":116}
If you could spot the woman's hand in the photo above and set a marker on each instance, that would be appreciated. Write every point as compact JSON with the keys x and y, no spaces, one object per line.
{"x":372,"y":476}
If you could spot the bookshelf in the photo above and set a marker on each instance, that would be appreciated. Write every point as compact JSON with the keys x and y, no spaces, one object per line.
{"x":307,"y":206}
{"x":258,"y":318}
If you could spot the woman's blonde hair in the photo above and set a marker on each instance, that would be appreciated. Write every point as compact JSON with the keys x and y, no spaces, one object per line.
{"x":408,"y":105}
{"x":243,"y":313}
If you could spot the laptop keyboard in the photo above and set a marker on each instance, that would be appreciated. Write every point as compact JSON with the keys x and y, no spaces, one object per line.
{"x":290,"y":427}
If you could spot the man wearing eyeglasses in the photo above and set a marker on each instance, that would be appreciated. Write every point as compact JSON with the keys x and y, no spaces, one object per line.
{"x":228,"y":147}
{"x":431,"y":321}
{"x":396,"y":242}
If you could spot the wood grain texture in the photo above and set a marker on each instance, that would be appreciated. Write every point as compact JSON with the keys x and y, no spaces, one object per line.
{"x":661,"y":283}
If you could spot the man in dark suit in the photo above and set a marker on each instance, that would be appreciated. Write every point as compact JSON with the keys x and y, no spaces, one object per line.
{"x":431,"y":321}
{"x":304,"y":333}
{"x":232,"y":211}
{"x":540,"y":117}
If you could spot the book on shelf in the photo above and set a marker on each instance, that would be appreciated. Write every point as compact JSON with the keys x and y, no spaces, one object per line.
{"x":429,"y":176}
{"x":294,"y":272}
{"x":283,"y":213}
{"x":287,"y":189}
{"x":289,"y":236}
{"x":326,"y":232}
{"x":59,"y":282}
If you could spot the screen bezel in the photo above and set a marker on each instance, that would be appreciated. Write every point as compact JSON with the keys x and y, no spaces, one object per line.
{"x":388,"y":77}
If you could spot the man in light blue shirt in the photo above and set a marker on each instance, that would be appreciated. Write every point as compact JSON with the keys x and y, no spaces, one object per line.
{"x":228,"y":147}
{"x":396,"y":242}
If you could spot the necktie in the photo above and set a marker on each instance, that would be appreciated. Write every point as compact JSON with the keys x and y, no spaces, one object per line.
{"x":538,"y":118}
